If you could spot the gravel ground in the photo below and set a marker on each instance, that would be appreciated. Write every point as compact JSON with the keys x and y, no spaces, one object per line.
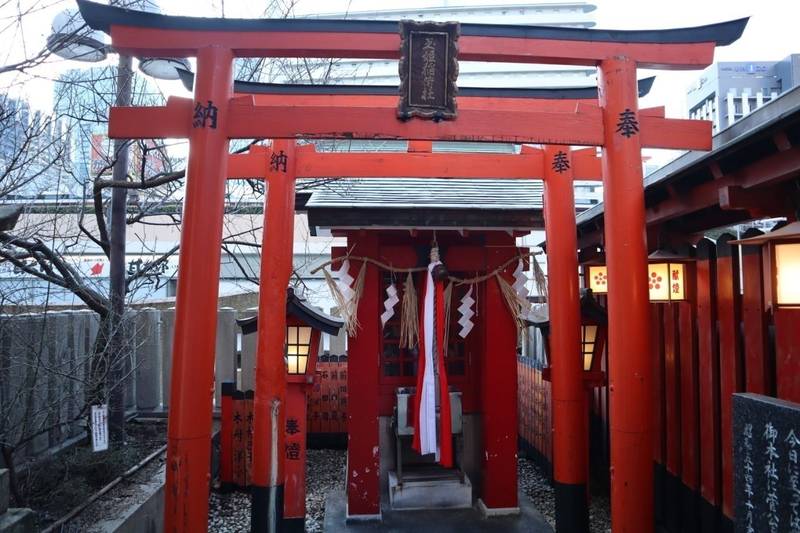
{"x":230,"y":513}
{"x":533,"y":482}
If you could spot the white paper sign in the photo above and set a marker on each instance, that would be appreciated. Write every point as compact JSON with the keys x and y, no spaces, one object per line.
{"x":99,"y":428}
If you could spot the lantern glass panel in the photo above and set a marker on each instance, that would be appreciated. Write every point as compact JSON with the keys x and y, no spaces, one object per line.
{"x":587,"y":346}
{"x":298,"y":344}
{"x":787,"y":265}
{"x":658,"y":281}
{"x":304,"y":335}
{"x":598,"y":279}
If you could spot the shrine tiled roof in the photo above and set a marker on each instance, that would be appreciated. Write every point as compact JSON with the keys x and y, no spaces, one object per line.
{"x":411,"y":193}
{"x":500,"y":204}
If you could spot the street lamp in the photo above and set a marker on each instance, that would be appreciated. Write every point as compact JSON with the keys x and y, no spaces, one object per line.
{"x":783,"y":247}
{"x":72,"y":39}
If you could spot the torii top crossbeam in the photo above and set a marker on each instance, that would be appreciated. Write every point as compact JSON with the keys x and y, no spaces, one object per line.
{"x":147,"y":34}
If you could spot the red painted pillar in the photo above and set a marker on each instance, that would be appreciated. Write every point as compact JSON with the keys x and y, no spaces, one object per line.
{"x":630,"y":370}
{"x":269,"y":405}
{"x":363,"y":457}
{"x":499,"y":387}
{"x":295,"y":505}
{"x":569,"y":396}
{"x":192,"y":381}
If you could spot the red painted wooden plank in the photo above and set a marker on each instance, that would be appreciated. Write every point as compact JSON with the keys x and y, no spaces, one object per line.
{"x":659,"y":415}
{"x":708,"y":371}
{"x":730,"y":356}
{"x":689,"y":396}
{"x":787,"y":351}
{"x":672,"y":398}
{"x":758,"y":377}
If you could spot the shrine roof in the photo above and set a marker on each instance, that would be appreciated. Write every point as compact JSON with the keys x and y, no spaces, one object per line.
{"x":481,"y":194}
{"x":102,"y":17}
{"x":303,"y":311}
{"x":427,"y":202}
{"x":758,"y":154}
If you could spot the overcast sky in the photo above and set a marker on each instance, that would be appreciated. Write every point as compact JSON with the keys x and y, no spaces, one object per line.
{"x":771,"y":34}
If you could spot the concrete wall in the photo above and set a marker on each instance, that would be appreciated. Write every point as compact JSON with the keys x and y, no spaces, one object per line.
{"x":45,"y":363}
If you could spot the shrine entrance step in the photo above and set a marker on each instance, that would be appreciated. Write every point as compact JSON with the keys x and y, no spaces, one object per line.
{"x":529,"y":520}
{"x":429,"y":488}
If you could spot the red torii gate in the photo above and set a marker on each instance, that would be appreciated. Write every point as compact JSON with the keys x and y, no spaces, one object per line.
{"x":215,"y":117}
{"x":571,"y":440}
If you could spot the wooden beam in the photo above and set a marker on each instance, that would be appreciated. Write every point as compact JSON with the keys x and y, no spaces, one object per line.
{"x":675,"y":134}
{"x":379,"y":101}
{"x":419,"y":165}
{"x":149,"y":42}
{"x":580,"y":126}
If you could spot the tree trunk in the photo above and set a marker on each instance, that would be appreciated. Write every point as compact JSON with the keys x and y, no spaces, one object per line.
{"x":13,"y":482}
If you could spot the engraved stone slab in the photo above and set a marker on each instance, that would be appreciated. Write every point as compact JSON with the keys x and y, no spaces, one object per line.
{"x":766,"y":464}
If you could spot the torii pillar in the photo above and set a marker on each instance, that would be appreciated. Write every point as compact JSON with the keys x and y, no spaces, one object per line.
{"x":269,"y":406}
{"x":189,"y":428}
{"x":570,"y":439}
{"x":629,"y":363}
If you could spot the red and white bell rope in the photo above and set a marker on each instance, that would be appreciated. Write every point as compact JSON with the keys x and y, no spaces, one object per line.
{"x":433,"y":433}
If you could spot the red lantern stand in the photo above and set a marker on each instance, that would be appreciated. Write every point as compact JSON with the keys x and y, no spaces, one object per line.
{"x":213,"y":117}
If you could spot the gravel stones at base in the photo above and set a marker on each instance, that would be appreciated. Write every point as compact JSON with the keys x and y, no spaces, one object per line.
{"x":325,"y":471}
{"x":534,"y":482}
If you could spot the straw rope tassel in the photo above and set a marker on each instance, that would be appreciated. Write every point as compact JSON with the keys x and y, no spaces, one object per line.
{"x":513,"y":302}
{"x":448,"y":293}
{"x":409,"y":315}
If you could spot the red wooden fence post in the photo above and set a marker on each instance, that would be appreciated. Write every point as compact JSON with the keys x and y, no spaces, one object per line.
{"x":226,"y":437}
{"x":708,"y":375}
{"x":731,"y":370}
{"x":758,"y":373}
{"x":689,"y":404}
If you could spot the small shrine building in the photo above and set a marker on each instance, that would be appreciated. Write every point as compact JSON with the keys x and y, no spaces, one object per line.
{"x":394,"y":222}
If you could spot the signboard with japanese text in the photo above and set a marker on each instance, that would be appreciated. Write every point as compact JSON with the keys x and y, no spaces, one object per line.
{"x":99,"y":428}
{"x":428,"y":69}
{"x":766,"y":464}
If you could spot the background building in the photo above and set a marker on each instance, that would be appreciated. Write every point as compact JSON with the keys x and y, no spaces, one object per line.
{"x":727,"y":91}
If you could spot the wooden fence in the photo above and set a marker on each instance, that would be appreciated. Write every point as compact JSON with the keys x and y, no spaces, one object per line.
{"x":722,"y":340}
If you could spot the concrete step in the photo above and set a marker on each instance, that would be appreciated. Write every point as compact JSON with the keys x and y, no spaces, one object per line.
{"x":17,"y":521}
{"x":438,"y":489}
